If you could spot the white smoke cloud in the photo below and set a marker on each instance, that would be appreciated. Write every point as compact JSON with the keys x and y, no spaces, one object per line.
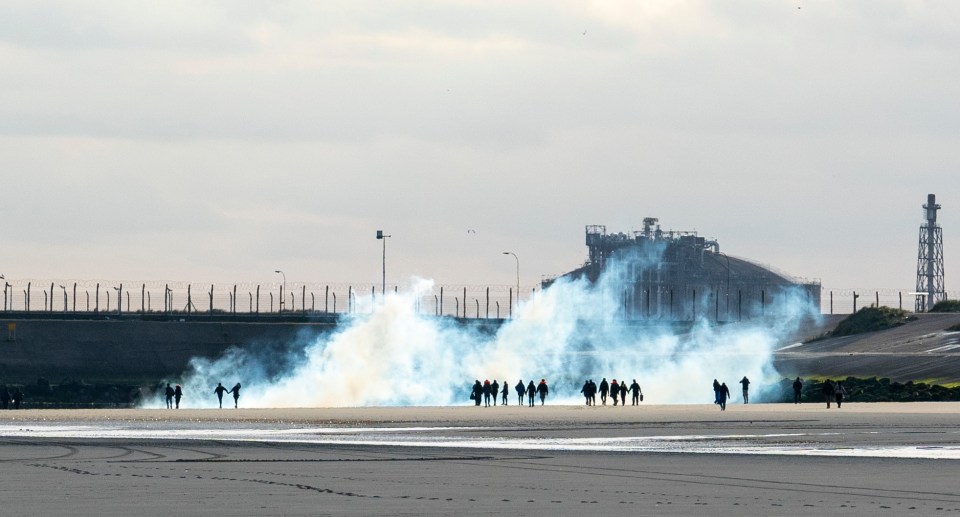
{"x":569,"y":332}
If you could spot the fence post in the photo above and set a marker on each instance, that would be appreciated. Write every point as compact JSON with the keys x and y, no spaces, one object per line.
{"x":855,"y":296}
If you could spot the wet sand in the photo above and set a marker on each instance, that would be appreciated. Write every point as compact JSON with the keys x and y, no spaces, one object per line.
{"x":738,"y":469}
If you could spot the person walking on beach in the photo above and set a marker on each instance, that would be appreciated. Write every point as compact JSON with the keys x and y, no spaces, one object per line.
{"x":531,"y":392}
{"x":635,"y":392}
{"x":542,"y":389}
{"x":177,"y":394}
{"x":604,"y":388}
{"x":716,"y":392}
{"x":614,"y":391}
{"x":839,"y":393}
{"x":220,"y":390}
{"x":494,"y":391}
{"x":521,"y":389}
{"x":724,"y":394}
{"x":506,"y":392}
{"x":236,"y":394}
{"x":797,"y":388}
{"x":5,"y":397}
{"x":169,"y":394}
{"x":829,"y":392}
{"x":586,"y":391}
{"x":486,"y":393}
{"x":623,"y":393}
{"x":477,"y":392}
{"x":746,"y":386}
{"x":593,"y":393}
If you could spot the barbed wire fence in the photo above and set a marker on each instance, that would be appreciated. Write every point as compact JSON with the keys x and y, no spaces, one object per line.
{"x":305,"y":298}
{"x":250,"y":298}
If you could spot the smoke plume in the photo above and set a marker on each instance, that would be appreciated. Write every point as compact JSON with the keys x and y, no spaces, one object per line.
{"x":572,"y":331}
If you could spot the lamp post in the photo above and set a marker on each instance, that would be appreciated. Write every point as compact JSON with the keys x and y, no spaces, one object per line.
{"x":282,"y":287}
{"x":518,"y":273}
{"x":383,"y":284}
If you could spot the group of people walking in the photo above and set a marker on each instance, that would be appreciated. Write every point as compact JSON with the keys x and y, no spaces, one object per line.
{"x":616,"y":390}
{"x":721,"y":392}
{"x":174,"y":394}
{"x":490,"y":391}
{"x":10,"y":400}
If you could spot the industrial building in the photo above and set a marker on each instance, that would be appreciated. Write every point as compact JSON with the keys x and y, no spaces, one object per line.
{"x":678,"y":275}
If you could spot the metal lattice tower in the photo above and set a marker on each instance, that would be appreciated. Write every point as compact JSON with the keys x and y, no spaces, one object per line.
{"x":930,"y":287}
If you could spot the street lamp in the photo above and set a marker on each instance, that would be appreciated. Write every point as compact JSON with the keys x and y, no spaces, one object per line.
{"x":282,"y":287}
{"x":383,"y":285}
{"x":518,"y":273}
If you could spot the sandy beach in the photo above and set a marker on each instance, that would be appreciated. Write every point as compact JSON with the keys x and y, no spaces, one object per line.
{"x":764,"y":459}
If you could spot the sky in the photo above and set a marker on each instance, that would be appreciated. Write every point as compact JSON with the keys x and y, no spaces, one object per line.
{"x":221,"y":141}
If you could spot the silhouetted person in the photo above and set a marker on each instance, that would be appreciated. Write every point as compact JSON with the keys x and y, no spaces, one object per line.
{"x":177,"y":395}
{"x":531,"y":392}
{"x":494,"y":391}
{"x":506,"y":392}
{"x":716,"y":392}
{"x":586,"y":391}
{"x":486,"y":393}
{"x":542,"y":389}
{"x":17,"y":398}
{"x":797,"y":388}
{"x":477,"y":392}
{"x":236,"y":394}
{"x":220,"y":390}
{"x":724,"y":395}
{"x":746,"y":386}
{"x":839,"y":393}
{"x":829,"y":392}
{"x":521,"y":390}
{"x":169,"y":394}
{"x":593,"y":393}
{"x":5,"y":397}
{"x":623,"y":393}
{"x":635,"y":392}
{"x":614,"y":390}
{"x":604,"y":388}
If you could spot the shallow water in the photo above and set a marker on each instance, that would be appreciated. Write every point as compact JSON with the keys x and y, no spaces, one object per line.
{"x":464,"y":437}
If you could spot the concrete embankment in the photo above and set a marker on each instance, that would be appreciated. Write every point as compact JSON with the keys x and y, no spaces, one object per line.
{"x":132,"y":351}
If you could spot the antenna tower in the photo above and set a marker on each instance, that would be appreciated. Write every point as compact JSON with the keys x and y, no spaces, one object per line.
{"x":930,"y":259}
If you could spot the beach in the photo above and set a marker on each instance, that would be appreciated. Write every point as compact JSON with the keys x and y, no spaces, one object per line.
{"x":762,"y":459}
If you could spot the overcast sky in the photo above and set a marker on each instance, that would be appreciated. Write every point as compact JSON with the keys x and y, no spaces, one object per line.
{"x":220,"y":141}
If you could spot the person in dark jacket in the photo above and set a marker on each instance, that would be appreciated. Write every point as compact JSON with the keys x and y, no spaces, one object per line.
{"x":829,"y":392}
{"x":169,"y":394}
{"x":623,"y":392}
{"x":614,"y":391}
{"x":797,"y":389}
{"x":839,"y":392}
{"x":593,"y":393}
{"x":542,"y":389}
{"x":521,"y":390}
{"x":716,"y":392}
{"x":477,"y":392}
{"x":604,"y":388}
{"x":220,"y":390}
{"x":586,"y":391}
{"x":494,"y":391}
{"x":635,"y":392}
{"x":531,"y":392}
{"x":486,"y":393}
{"x":724,"y":395}
{"x":236,"y":394}
{"x":506,"y":392}
{"x":177,"y":395}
